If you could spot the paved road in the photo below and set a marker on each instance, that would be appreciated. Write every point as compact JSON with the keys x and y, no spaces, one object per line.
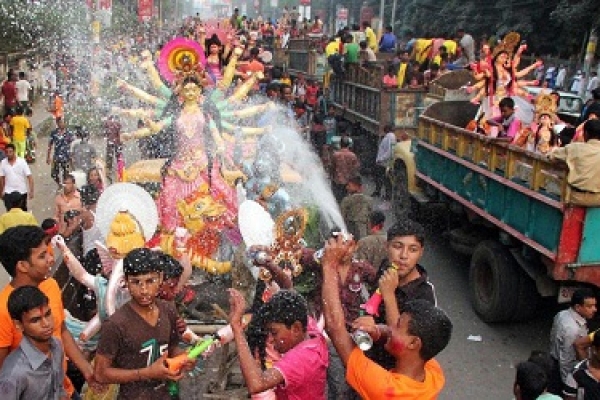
{"x":474,"y":370}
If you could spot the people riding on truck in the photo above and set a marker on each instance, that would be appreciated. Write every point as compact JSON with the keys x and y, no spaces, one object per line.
{"x":583,"y":160}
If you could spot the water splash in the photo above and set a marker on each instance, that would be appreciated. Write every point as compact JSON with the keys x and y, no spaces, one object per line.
{"x":315,"y":186}
{"x":293,"y":150}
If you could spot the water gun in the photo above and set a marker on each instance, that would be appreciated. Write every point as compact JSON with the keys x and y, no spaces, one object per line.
{"x":371,"y":307}
{"x":176,"y":363}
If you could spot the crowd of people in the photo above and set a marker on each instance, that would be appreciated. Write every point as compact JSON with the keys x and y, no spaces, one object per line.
{"x":369,"y":281}
{"x":33,"y":307}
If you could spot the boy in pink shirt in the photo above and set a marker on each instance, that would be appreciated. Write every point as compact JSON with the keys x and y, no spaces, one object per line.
{"x":300,"y":373}
{"x":508,"y":124}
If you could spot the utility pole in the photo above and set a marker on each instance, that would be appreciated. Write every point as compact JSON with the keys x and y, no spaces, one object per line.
{"x":332,"y":18}
{"x":393,"y":21}
{"x":587,"y":63}
{"x":381,"y":17}
{"x":160,"y":14}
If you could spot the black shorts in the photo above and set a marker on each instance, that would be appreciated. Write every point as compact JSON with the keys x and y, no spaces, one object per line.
{"x":58,"y":167}
{"x":9,"y":110}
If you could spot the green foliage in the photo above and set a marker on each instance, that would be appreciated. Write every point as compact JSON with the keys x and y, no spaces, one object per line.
{"x":549,"y":26}
{"x":576,"y":18}
{"x":124,"y":20}
{"x":46,"y":26}
{"x":89,"y":112}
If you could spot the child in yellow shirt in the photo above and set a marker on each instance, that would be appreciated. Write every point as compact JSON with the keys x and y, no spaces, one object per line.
{"x":20,"y":129}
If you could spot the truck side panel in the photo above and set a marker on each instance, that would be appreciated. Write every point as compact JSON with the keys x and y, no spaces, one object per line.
{"x":589,"y":251}
{"x":508,"y":202}
{"x":520,"y":192}
{"x":579,"y":254}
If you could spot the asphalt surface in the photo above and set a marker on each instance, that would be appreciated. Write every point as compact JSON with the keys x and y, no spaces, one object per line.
{"x":479,"y":361}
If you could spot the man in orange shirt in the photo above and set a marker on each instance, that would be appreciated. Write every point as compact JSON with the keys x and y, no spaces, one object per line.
{"x":24,"y":255}
{"x":422,"y":330}
{"x":58,"y":106}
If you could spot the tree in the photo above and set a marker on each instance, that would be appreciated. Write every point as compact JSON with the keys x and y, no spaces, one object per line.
{"x":549,"y":26}
{"x":44,"y":25}
{"x":577,"y":18}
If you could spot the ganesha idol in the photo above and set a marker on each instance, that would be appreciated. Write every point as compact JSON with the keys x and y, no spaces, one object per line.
{"x":197,"y":183}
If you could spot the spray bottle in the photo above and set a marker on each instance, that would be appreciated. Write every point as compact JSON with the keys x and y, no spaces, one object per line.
{"x":371,"y":307}
{"x":176,"y":363}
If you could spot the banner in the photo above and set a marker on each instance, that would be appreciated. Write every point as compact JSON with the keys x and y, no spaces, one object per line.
{"x":341,"y":18}
{"x":102,"y":4}
{"x":106,"y":5}
{"x":366,"y":14}
{"x":145,"y":9}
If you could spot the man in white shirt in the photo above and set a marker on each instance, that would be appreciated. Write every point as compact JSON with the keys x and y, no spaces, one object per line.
{"x":568,"y":326}
{"x":366,"y":54}
{"x":385,"y":153}
{"x":576,"y":82}
{"x":560,"y":78}
{"x":285,"y":38}
{"x":49,"y":83}
{"x":15,"y":176}
{"x":23,"y":87}
{"x":467,"y":44}
{"x":592,"y":84}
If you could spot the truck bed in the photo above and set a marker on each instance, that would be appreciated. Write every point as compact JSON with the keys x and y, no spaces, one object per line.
{"x":522,"y":193}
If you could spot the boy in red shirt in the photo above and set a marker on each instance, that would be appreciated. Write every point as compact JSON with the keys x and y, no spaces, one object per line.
{"x":9,"y":93}
{"x":312,"y":94}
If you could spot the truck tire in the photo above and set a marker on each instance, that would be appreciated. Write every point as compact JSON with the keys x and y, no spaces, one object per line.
{"x":493,"y":282}
{"x":528,"y":298}
{"x":464,"y":241}
{"x":461,"y":248}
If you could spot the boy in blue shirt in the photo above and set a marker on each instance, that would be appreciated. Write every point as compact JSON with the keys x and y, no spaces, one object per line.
{"x":35,"y":369}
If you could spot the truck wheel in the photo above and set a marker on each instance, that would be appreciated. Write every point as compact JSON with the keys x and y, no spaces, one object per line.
{"x":461,"y":248}
{"x":464,"y":241}
{"x":528,"y":298}
{"x":494,"y":282}
{"x":401,"y":198}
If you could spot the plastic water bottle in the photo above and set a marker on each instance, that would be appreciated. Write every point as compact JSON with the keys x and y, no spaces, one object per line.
{"x":363,"y":340}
